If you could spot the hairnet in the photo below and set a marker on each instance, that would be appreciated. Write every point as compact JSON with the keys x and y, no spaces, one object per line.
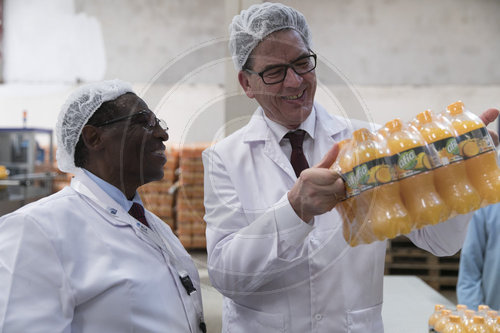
{"x":251,"y":26}
{"x":75,"y":113}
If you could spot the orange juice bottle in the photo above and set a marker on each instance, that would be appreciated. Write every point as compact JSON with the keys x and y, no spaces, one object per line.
{"x":467,"y":319}
{"x":497,"y":325}
{"x":490,"y":319}
{"x":443,"y":319}
{"x":454,"y":325}
{"x":435,"y":316}
{"x":478,"y":151}
{"x":379,"y":199}
{"x":450,"y":179}
{"x":413,"y":166}
{"x":347,"y":208}
{"x":478,"y":325}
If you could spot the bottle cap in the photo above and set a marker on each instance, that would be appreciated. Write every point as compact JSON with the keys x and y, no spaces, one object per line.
{"x":461,"y":307}
{"x":394,"y":125}
{"x":438,"y":307}
{"x":424,"y":117}
{"x":483,"y":307}
{"x":361,"y":135}
{"x":479,"y":319}
{"x":456,"y":108}
{"x":454,"y":318}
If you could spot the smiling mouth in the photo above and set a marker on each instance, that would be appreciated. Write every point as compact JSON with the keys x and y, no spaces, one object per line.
{"x":292,"y":98}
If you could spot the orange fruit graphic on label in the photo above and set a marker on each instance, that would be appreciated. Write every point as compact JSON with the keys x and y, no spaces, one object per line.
{"x":470,"y":148}
{"x":383,"y":175}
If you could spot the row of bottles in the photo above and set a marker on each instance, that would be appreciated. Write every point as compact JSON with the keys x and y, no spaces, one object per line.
{"x":406,"y":176}
{"x":463,"y":320}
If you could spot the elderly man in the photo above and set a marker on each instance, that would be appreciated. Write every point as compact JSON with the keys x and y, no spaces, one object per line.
{"x":275,"y":245}
{"x":90,"y":258}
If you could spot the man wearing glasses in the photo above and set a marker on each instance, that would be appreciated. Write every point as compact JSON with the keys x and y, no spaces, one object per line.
{"x":90,"y":258}
{"x":275,"y":245}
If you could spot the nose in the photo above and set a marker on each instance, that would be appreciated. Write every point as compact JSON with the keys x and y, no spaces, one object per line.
{"x":160,"y":133}
{"x":292,"y":79}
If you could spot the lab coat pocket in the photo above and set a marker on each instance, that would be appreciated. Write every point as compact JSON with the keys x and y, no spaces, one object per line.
{"x":240,"y":319}
{"x":365,"y":320}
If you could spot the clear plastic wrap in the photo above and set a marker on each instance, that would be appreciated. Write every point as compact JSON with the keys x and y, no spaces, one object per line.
{"x":407,"y":176}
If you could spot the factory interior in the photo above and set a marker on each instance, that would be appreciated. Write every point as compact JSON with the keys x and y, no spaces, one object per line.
{"x":376,"y":61}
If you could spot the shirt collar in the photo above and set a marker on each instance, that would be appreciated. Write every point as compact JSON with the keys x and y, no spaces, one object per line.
{"x":279,"y":131}
{"x":114,"y":192}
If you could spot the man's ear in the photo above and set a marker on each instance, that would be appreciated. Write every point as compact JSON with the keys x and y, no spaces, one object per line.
{"x":92,"y":137}
{"x":245,"y":84}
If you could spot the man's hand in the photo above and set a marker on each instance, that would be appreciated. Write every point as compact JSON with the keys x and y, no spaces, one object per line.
{"x":318,"y":189}
{"x":487,"y":117}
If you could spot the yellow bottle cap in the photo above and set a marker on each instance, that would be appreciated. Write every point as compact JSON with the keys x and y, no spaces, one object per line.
{"x":424,"y":117}
{"x":438,"y":307}
{"x":461,"y":307}
{"x":454,"y":318}
{"x":394,"y":125}
{"x":456,"y":108}
{"x":478,"y":319}
{"x":361,"y":135}
{"x":492,"y":313}
{"x":445,"y":313}
{"x":483,"y":307}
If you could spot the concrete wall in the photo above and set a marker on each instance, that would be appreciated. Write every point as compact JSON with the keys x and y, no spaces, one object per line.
{"x":397,"y":56}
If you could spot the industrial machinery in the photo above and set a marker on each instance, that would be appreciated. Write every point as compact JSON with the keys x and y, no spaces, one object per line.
{"x":26,"y":165}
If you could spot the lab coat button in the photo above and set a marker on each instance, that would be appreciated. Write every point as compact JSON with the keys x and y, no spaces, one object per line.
{"x":318,"y":316}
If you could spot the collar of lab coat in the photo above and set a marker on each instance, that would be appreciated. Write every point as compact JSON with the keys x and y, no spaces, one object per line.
{"x":258,"y":130}
{"x":115,"y":212}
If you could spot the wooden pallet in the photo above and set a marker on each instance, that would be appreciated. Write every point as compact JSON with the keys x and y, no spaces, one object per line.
{"x":404,"y":258}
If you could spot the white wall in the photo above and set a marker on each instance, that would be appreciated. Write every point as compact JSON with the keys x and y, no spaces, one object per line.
{"x":399,"y":56}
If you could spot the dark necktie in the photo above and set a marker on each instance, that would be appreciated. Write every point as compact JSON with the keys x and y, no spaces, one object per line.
{"x":138,"y":212}
{"x":298,"y":158}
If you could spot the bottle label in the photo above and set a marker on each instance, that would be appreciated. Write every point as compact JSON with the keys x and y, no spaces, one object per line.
{"x":447,"y":149}
{"x":414,"y":161}
{"x":369,"y":175}
{"x":474,"y":143}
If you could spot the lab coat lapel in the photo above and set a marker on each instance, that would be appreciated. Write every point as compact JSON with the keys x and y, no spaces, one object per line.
{"x":112,"y":211}
{"x":327,"y":129}
{"x":257,"y":130}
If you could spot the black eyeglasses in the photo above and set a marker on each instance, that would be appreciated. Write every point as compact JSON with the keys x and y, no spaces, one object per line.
{"x":277,"y":74}
{"x":146,"y":119}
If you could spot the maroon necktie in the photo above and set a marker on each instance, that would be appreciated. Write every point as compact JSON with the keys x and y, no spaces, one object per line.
{"x":298,"y":158}
{"x":138,"y":212}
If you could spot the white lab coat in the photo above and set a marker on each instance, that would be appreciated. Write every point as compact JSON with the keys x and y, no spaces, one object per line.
{"x":68,"y":264}
{"x":277,"y":273}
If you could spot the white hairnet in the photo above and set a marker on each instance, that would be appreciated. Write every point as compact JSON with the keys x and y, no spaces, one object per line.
{"x":251,"y":26}
{"x":75,"y":113}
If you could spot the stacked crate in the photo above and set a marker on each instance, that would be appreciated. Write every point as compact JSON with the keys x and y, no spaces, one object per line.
{"x":190,"y":208}
{"x":159,"y":197}
{"x":404,"y":258}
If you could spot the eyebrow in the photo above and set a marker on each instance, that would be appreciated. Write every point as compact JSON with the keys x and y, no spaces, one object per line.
{"x":291,"y":62}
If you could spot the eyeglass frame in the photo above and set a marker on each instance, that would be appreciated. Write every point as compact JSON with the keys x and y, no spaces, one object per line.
{"x":290,"y":65}
{"x":148,"y":127}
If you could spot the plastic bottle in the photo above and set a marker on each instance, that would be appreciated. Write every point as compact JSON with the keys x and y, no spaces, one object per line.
{"x":435,"y":316}
{"x":467,"y":319}
{"x":415,"y":176}
{"x":347,"y":208}
{"x":482,"y":309}
{"x":490,"y":320}
{"x":478,"y":150}
{"x":450,"y":179}
{"x":380,"y":195}
{"x":443,"y":319}
{"x":478,"y":325}
{"x":497,"y":325}
{"x":454,"y":325}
